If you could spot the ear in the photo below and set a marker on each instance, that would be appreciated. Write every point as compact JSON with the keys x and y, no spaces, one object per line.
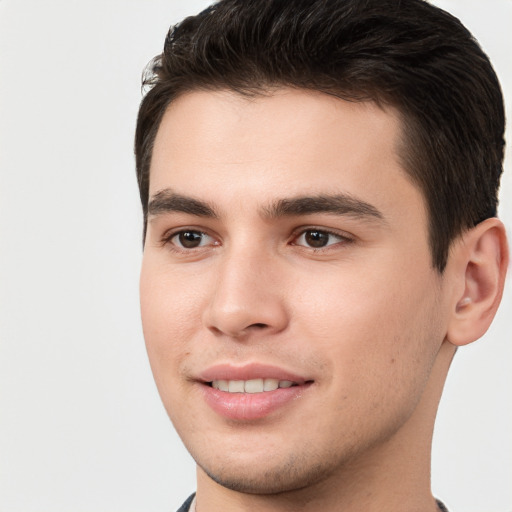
{"x":480,"y":261}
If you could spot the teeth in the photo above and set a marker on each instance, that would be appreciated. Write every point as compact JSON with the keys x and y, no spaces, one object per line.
{"x":236,"y":386}
{"x":222,"y":385}
{"x":270,"y":384}
{"x":251,"y":386}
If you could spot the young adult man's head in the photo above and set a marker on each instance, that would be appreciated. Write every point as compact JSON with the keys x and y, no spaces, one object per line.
{"x":319,"y":185}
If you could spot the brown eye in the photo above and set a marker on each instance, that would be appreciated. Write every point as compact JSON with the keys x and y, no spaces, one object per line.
{"x":319,"y":239}
{"x":316,"y":239}
{"x":189,"y":239}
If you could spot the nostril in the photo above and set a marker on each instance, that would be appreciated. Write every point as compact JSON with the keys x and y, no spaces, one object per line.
{"x":258,"y":325}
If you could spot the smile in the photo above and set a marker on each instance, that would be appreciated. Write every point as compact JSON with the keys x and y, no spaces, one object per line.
{"x":251,"y":391}
{"x":252,"y":385}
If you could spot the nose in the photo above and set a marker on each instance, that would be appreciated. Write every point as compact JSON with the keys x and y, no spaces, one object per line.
{"x":248,"y":296}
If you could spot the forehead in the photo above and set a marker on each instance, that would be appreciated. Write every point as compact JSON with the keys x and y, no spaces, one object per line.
{"x":222,"y":145}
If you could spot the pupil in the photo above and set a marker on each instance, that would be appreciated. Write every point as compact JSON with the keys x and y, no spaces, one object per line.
{"x":316,"y":238}
{"x":190,"y":239}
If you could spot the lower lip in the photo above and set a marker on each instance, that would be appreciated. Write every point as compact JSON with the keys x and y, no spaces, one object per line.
{"x":250,"y":406}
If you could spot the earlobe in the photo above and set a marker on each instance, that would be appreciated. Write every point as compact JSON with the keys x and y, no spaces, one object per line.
{"x":482,"y":260}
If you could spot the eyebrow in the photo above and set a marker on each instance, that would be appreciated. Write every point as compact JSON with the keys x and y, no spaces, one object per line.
{"x":338,"y":204}
{"x":167,"y":201}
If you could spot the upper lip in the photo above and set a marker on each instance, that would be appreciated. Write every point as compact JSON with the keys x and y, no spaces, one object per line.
{"x":250,"y":371}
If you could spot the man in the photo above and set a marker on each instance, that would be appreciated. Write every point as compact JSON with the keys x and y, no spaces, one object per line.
{"x":319,"y":182}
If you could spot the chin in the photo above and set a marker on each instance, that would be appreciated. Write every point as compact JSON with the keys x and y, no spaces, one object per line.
{"x":269,"y":477}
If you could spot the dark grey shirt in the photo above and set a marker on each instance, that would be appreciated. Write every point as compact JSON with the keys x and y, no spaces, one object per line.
{"x":186,"y":505}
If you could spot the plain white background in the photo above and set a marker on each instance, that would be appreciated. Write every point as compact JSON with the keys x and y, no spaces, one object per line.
{"x":81,"y":425}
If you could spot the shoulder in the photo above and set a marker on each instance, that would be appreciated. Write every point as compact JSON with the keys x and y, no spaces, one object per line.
{"x":440,"y":505}
{"x":185,"y":507}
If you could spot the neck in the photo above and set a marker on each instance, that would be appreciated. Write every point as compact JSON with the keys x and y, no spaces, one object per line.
{"x":393,"y":475}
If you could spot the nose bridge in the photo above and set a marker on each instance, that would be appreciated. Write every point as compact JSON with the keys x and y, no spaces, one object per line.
{"x":246,"y":295}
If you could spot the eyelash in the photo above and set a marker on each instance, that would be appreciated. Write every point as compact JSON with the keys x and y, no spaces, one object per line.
{"x":168,"y":236}
{"x":344,"y":239}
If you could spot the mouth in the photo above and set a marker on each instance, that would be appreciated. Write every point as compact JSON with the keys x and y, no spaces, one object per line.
{"x":251,"y":392}
{"x":252,"y":385}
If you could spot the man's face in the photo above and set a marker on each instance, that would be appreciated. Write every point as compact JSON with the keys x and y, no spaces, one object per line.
{"x":286,"y":243}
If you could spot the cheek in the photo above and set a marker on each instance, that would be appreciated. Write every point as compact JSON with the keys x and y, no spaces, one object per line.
{"x":169,"y":300}
{"x":380,"y":358}
{"x":170,"y":319}
{"x":377,"y":331}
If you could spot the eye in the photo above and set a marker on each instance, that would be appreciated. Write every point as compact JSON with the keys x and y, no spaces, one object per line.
{"x":191,"y":239}
{"x":318,"y":239}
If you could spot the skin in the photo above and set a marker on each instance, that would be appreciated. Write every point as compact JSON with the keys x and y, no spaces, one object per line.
{"x":366,"y":318}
